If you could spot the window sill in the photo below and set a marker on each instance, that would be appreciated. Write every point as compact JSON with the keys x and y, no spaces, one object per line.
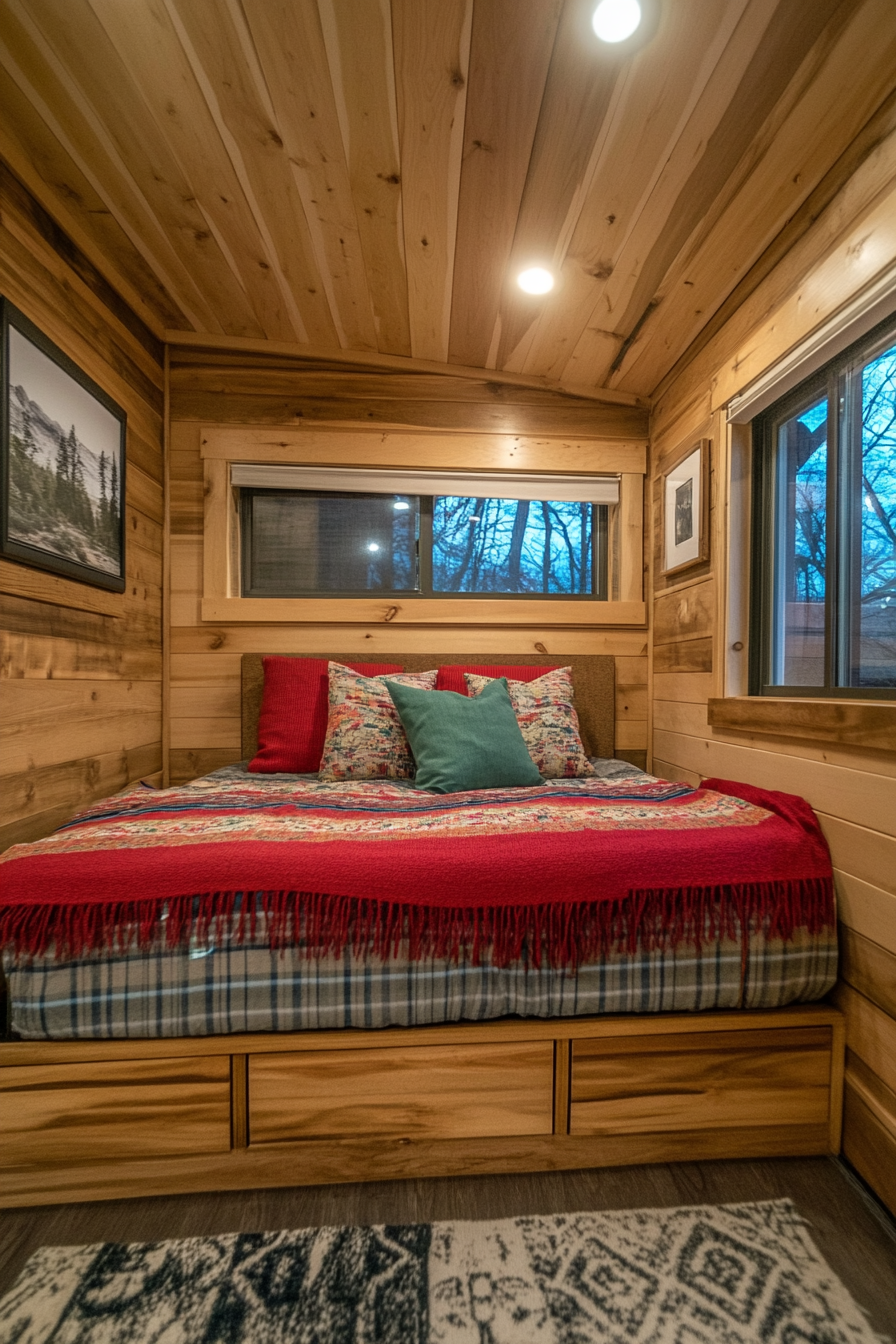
{"x":859,"y":723}
{"x":422,"y":611}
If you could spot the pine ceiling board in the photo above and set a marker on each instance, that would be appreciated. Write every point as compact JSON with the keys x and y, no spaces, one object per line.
{"x":81,"y":70}
{"x":729,"y":50}
{"x":222,"y":54}
{"x":509,"y":62}
{"x":846,"y":190}
{"x":581,"y":80}
{"x":53,"y":179}
{"x":150,"y":47}
{"x":358,"y":37}
{"x":784,"y":165}
{"x":57,"y":100}
{"x":655,"y":93}
{"x":431,"y":40}
{"x":749,"y":95}
{"x":288,"y":39}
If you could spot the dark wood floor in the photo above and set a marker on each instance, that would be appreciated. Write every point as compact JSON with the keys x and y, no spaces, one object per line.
{"x":857,"y":1239}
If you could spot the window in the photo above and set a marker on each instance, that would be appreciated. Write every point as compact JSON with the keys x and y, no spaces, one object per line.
{"x":824,"y":537}
{"x":298,"y":542}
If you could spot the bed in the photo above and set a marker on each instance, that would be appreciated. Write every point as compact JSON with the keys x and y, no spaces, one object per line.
{"x":510,"y":979}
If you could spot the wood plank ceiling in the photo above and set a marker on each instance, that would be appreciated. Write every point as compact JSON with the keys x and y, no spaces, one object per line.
{"x":370,"y":175}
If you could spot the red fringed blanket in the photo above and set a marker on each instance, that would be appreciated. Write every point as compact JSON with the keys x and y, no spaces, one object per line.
{"x":558,"y":873}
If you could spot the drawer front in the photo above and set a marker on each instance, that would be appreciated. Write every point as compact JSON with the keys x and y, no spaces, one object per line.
{"x":439,"y":1091}
{"x":701,"y":1081}
{"x":127,"y":1108}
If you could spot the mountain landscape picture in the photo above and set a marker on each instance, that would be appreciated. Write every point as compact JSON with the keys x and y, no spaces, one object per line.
{"x":64,"y":463}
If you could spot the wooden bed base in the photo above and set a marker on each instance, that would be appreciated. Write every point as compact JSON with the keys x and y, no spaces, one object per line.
{"x":89,"y":1120}
{"x":82,"y":1120}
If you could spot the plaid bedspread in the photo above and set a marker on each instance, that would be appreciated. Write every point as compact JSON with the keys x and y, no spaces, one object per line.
{"x":224,"y":987}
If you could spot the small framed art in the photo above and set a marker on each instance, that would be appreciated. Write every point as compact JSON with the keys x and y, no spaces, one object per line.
{"x":62,"y":460}
{"x":686,"y":510}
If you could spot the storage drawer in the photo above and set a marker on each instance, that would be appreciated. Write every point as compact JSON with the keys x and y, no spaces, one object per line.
{"x":125,"y":1108}
{"x":641,"y":1084}
{"x":439,"y":1091}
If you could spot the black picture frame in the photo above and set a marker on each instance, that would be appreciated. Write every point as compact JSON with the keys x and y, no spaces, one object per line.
{"x":62,"y":490}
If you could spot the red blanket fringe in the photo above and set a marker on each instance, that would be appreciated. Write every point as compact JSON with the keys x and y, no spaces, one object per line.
{"x":559,"y":934}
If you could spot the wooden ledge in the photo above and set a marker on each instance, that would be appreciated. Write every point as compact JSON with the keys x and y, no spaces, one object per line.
{"x":422,"y":611}
{"x":860,"y":723}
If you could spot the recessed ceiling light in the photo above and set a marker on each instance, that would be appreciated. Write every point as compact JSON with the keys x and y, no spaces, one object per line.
{"x":536,"y":280}
{"x":615,"y":20}
{"x":372,"y":546}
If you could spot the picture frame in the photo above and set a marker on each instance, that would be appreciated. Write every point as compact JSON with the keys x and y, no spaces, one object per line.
{"x":686,"y":510}
{"x":63,"y":450}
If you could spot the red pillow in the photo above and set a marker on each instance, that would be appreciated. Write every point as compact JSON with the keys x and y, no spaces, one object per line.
{"x":451,"y":677}
{"x":292,"y":724}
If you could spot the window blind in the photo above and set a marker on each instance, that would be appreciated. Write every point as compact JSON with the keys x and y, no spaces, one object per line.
{"x":485,"y":485}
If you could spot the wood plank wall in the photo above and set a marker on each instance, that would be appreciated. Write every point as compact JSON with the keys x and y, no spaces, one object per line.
{"x":81,"y":669}
{"x":220,"y":388}
{"x":851,"y":243}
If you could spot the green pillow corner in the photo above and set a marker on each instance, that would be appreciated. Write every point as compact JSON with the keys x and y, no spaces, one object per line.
{"x":461,"y":743}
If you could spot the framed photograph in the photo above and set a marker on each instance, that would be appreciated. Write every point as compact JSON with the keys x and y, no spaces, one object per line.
{"x":686,"y":510}
{"x":62,"y":460}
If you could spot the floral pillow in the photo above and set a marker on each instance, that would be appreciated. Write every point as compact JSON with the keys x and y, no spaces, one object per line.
{"x":548,"y":721}
{"x":365,"y":739}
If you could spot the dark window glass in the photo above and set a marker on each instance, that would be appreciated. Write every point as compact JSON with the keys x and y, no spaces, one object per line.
{"x":512,"y":546}
{"x":300,"y":542}
{"x":824,"y":543}
{"x":870,"y":653}
{"x":800,"y":573}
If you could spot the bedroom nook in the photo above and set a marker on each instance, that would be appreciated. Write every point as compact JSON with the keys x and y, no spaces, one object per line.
{"x":448,"y":678}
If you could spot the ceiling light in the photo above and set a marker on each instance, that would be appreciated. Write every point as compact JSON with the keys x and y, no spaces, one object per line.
{"x":401,"y":505}
{"x":373,"y":546}
{"x":536,"y":280}
{"x":615,"y":20}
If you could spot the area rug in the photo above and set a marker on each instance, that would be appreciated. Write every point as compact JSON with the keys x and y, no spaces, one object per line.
{"x":736,"y":1274}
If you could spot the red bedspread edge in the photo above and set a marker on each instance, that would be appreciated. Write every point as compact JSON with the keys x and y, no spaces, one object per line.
{"x":560,"y":931}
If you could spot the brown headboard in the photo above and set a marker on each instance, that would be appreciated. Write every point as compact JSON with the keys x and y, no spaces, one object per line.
{"x":594,"y":677}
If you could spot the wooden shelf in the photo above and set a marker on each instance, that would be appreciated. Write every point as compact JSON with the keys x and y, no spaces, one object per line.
{"x":861,"y":723}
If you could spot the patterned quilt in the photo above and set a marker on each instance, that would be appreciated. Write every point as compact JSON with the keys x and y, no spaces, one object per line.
{"x":559,"y":872}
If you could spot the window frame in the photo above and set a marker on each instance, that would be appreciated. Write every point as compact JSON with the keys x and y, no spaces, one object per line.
{"x":832,"y":381}
{"x":425,"y":542}
{"x":222,"y":447}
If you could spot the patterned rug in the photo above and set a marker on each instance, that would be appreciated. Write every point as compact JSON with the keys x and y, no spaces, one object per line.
{"x":712,"y":1275}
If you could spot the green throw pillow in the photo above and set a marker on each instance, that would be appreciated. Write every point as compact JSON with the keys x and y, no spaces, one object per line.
{"x":461,"y":742}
